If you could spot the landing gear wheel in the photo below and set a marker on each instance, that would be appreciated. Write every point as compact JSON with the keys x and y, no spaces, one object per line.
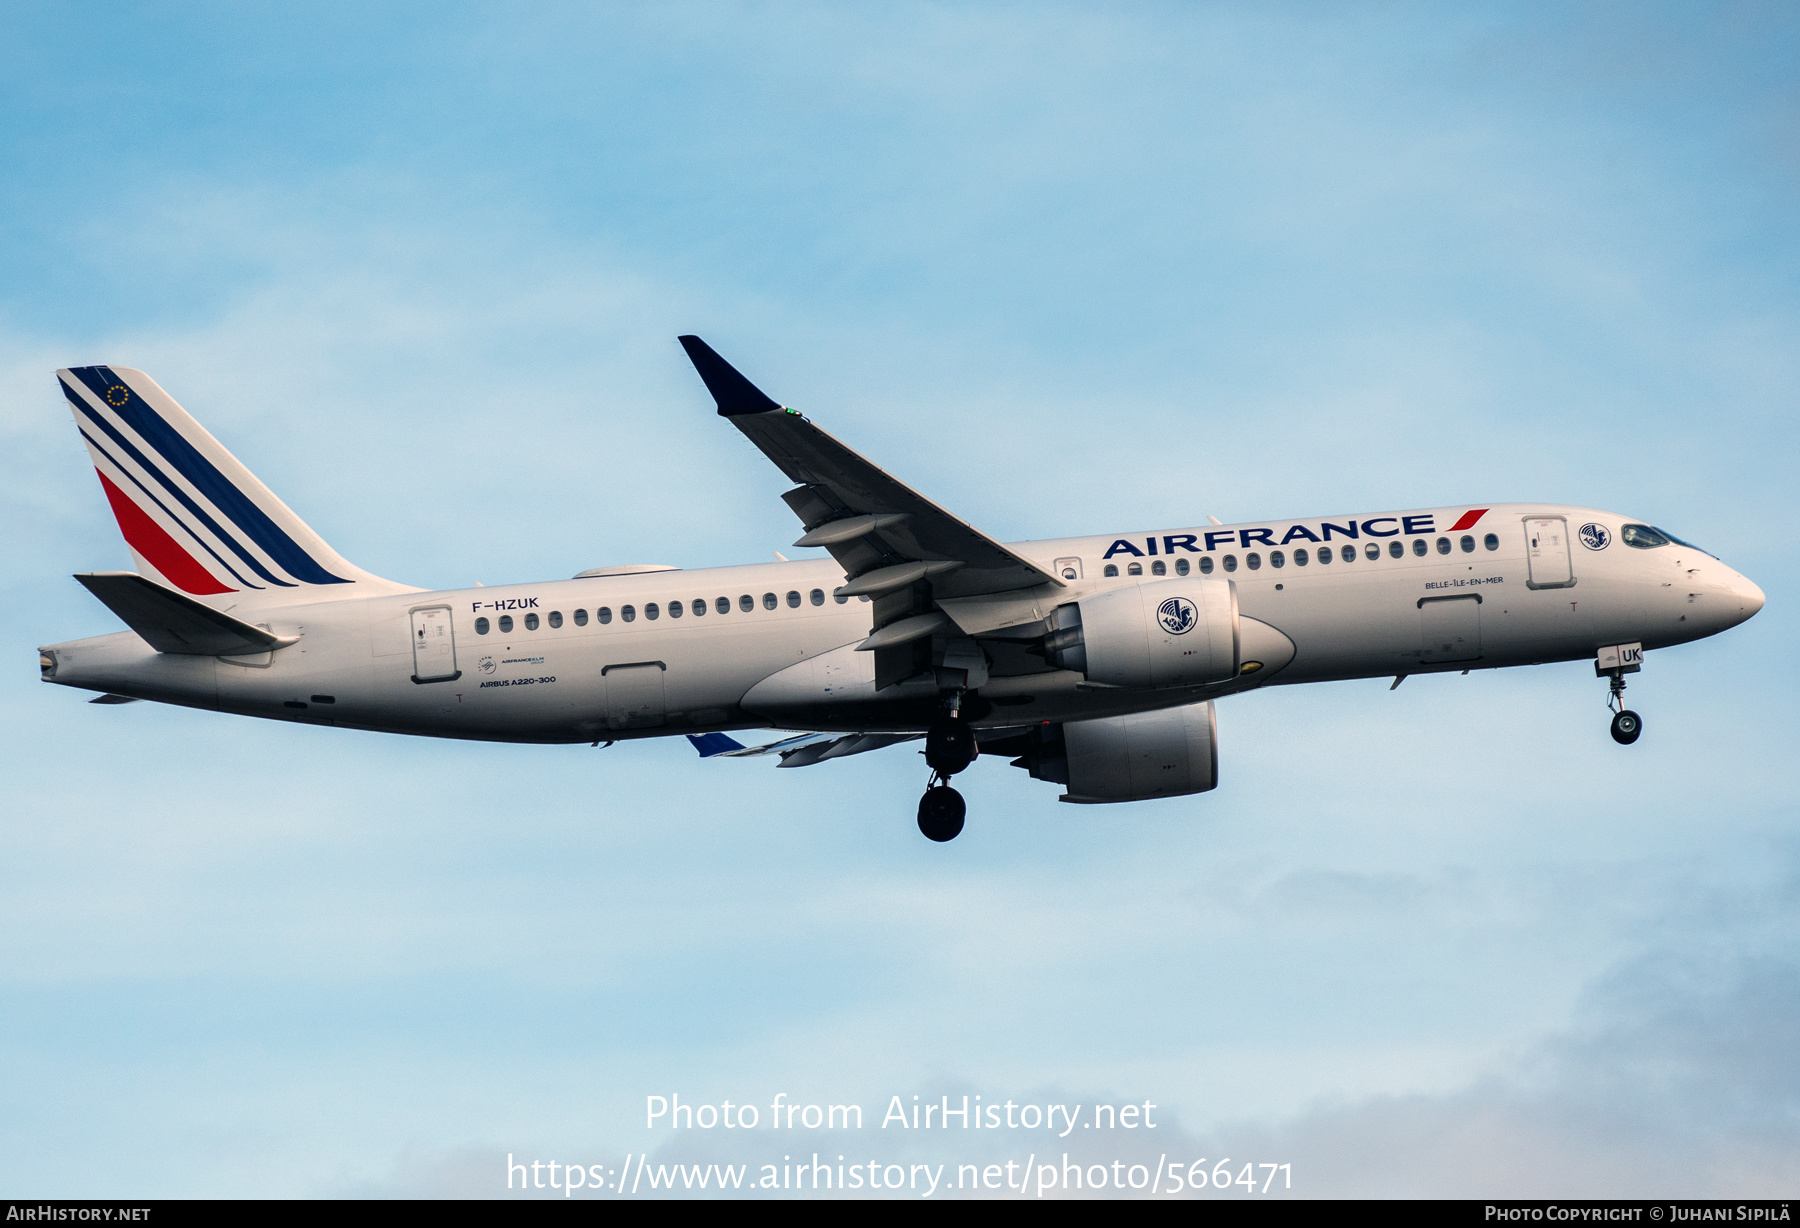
{"x":941,"y":813}
{"x":1626,"y":726}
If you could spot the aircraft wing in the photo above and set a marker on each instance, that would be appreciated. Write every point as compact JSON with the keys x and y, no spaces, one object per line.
{"x":897,"y":548}
{"x":801,"y":751}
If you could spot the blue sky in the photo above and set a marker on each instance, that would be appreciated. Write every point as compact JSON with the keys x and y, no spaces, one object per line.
{"x":1067,"y":271}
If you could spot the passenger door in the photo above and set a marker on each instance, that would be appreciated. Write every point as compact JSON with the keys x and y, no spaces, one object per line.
{"x":1547,"y":552}
{"x":434,"y":645}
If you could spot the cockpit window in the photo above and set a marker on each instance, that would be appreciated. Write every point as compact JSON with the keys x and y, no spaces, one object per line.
{"x":1646,"y":538}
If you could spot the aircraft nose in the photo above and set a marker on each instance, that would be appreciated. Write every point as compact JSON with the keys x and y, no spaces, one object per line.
{"x":1748,"y":596}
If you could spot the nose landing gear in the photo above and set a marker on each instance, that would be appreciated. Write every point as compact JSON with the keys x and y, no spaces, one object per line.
{"x":1626,"y":724}
{"x":949,"y":748}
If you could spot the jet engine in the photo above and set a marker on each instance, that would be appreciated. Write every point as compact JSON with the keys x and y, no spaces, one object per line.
{"x":1166,"y":753}
{"x":1165,"y":634}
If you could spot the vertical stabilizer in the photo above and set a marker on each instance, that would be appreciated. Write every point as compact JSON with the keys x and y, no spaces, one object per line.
{"x":195,"y":519}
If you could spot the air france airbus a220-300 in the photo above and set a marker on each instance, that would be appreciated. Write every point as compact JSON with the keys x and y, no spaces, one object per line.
{"x":1091,"y":662}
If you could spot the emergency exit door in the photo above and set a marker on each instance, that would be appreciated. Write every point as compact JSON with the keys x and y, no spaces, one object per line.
{"x":1547,"y":553}
{"x":433,"y":645}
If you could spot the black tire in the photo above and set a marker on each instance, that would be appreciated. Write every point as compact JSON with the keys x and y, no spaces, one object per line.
{"x":941,"y":813}
{"x":1626,"y":726}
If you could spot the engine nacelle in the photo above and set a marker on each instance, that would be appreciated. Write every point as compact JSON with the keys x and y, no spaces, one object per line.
{"x":1167,"y":753}
{"x":1168,"y":633}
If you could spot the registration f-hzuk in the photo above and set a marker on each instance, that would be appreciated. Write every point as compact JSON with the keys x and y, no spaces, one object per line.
{"x":1091,"y":662}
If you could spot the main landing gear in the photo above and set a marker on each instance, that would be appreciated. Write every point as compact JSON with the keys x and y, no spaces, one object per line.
{"x":949,"y":748}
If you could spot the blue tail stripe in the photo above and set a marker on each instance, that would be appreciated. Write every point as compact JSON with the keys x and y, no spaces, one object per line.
{"x":164,"y":508}
{"x":225,"y":496}
{"x":181,"y":495}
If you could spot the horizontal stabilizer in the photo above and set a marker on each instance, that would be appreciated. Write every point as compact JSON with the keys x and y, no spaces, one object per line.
{"x":175,"y":623}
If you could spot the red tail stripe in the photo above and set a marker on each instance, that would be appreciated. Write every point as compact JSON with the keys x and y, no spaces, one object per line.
{"x":164,"y":553}
{"x":1467,"y":520}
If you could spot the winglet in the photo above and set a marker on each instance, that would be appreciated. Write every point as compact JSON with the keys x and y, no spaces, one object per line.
{"x":710,"y":744}
{"x":735,"y":394}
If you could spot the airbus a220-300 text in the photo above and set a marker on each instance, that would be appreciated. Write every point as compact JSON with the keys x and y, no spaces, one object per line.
{"x":1091,"y":662}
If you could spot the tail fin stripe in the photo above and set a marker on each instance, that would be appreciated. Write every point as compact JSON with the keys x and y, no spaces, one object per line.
{"x":223,"y":494}
{"x":164,"y":553}
{"x":161,"y":507}
{"x":169,"y":485}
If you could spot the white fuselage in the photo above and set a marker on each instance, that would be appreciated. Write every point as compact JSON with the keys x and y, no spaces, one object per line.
{"x":789,"y":661}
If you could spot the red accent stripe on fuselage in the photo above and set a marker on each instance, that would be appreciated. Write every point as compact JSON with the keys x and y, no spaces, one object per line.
{"x":1467,"y":520}
{"x":163,"y":552}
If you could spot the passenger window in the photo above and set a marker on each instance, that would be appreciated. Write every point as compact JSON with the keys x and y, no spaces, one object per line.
{"x":817,"y":596}
{"x":506,"y":622}
{"x":840,"y":598}
{"x":481,"y":626}
{"x":1491,"y":542}
{"x":1300,"y":557}
{"x":723,"y":605}
{"x":1231,"y":562}
{"x":1253,"y":560}
{"x":651,"y":612}
{"x":1181,"y":567}
{"x":628,"y":613}
{"x":581,"y":618}
{"x":555,"y":619}
{"x":699,"y":607}
{"x":1396,"y":550}
{"x":1443,"y":545}
{"x":1419,"y":546}
{"x":769,"y":601}
{"x":793,"y":600}
{"x":1468,"y":545}
{"x":603,"y":615}
{"x":1206,"y":565}
{"x":746,"y":603}
{"x":1159,"y":568}
{"x":531,"y":622}
{"x":1370,"y":551}
{"x":1277,"y":559}
{"x":1112,"y":569}
{"x":676,"y":609}
{"x":1325,"y":555}
{"x":1134,"y":569}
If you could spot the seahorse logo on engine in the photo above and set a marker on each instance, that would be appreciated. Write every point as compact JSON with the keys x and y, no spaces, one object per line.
{"x":1177,"y":615}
